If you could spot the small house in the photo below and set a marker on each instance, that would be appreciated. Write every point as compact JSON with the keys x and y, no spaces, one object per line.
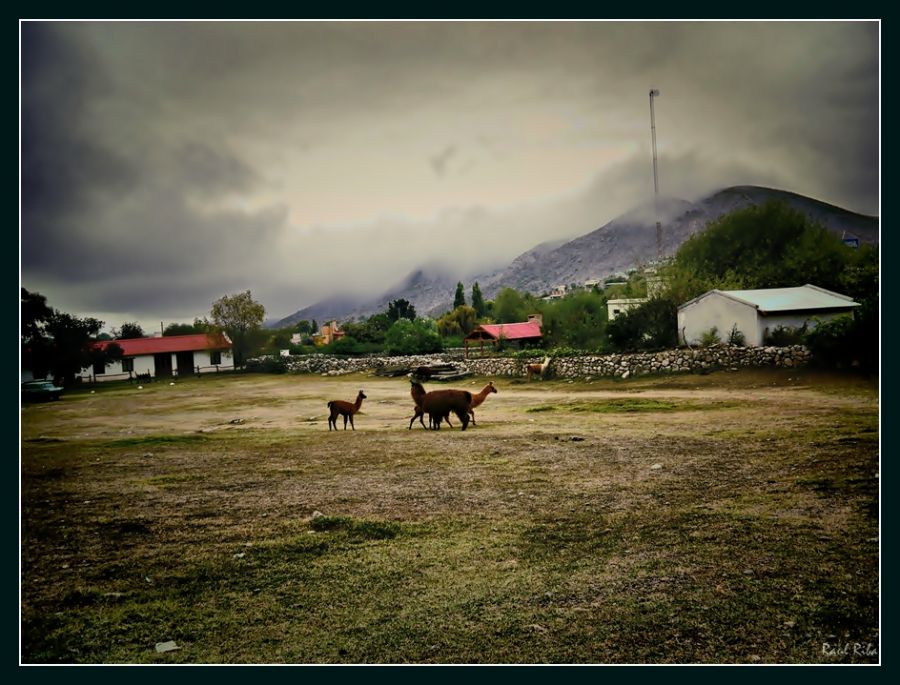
{"x":165,"y":357}
{"x":328,"y":334}
{"x":757,"y":313}
{"x":520,"y":334}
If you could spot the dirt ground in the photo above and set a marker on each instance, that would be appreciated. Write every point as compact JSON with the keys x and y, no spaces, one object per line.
{"x":720,"y":518}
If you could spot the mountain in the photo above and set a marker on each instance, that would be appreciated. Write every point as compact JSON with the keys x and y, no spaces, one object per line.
{"x":625,"y":242}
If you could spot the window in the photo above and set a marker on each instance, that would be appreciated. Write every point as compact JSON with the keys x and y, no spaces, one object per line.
{"x":99,"y":368}
{"x":215,"y":358}
{"x":127,"y":365}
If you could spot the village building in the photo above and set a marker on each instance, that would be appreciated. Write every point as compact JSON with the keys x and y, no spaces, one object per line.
{"x":328,"y":333}
{"x":757,"y":313}
{"x":519,"y":334}
{"x":164,"y":357}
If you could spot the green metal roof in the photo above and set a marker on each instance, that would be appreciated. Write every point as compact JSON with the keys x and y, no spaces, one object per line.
{"x":788,"y":299}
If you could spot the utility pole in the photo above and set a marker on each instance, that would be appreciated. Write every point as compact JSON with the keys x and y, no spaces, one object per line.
{"x":655,"y":93}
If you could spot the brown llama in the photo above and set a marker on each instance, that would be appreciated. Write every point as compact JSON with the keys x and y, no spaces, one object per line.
{"x":478,"y":398}
{"x":345,"y":409}
{"x":439,"y":403}
{"x":537,"y":369}
{"x":417,"y":392}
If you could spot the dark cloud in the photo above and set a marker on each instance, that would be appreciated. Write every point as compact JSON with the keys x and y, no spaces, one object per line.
{"x":166,"y":163}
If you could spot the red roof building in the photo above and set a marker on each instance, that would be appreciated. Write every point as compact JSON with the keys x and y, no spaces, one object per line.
{"x":168,"y":356}
{"x":133,"y":347}
{"x":519,"y":333}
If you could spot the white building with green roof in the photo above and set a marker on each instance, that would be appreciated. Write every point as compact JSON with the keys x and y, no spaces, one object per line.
{"x":756,"y":313}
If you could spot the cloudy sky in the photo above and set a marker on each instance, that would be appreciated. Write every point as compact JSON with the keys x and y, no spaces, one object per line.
{"x":165,"y":164}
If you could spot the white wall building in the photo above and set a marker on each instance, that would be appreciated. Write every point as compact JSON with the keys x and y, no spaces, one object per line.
{"x":756,"y":313}
{"x":165,"y":357}
{"x":621,"y":305}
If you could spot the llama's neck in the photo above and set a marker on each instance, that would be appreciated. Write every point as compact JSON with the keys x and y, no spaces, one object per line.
{"x":358,"y":403}
{"x":479,"y":398}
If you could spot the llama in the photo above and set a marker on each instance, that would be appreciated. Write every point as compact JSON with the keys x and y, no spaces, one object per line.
{"x":539,"y":369}
{"x":439,"y":403}
{"x":479,"y":398}
{"x":345,"y":409}
{"x":417,"y":392}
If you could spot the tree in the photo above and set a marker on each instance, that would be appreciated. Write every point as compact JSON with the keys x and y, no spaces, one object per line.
{"x":510,"y":306}
{"x":70,"y":346}
{"x":478,"y":300}
{"x":459,"y":299}
{"x":460,"y":321}
{"x":767,"y":246}
{"x":651,"y":325}
{"x":412,"y":337}
{"x":241,"y":318}
{"x":401,"y":309}
{"x":130,"y":330}
{"x":34,"y":345}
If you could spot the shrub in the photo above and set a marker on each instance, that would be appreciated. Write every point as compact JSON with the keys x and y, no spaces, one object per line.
{"x":271,"y":364}
{"x":406,"y":337}
{"x":710,"y":337}
{"x":844,"y":342}
{"x":736,"y":337}
{"x":785,"y":336}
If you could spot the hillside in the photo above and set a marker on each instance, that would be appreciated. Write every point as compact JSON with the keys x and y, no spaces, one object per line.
{"x":625,"y":242}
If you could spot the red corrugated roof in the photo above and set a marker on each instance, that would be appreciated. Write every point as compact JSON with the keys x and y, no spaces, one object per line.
{"x":172,"y":343}
{"x":510,"y":331}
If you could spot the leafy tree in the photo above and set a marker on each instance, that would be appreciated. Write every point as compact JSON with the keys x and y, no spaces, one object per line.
{"x":510,"y":306}
{"x":57,"y":343}
{"x":369,"y":332}
{"x":314,"y":326}
{"x":241,"y":318}
{"x":304,"y":327}
{"x":34,"y":344}
{"x":199,"y":326}
{"x":766,"y":246}
{"x":401,"y":309}
{"x":130,"y":330}
{"x":459,"y":299}
{"x":70,"y":346}
{"x":460,"y":321}
{"x":412,"y":337}
{"x":652,"y":325}
{"x":478,"y":301}
{"x":577,"y":321}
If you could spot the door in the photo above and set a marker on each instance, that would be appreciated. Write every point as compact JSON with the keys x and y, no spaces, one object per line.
{"x":163,"y":364}
{"x":185,"y":364}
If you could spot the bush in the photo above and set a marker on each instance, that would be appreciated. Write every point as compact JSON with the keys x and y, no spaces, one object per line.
{"x":844,"y":342}
{"x":350,"y":346}
{"x":710,"y":337}
{"x":406,"y":337}
{"x":652,"y":325}
{"x":736,"y":337}
{"x":785,"y":336}
{"x":272,"y":364}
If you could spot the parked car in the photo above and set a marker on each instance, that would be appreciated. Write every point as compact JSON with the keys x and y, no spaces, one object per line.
{"x":40,"y":390}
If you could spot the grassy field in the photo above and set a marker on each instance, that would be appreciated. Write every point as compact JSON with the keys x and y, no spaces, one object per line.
{"x":724,"y":518}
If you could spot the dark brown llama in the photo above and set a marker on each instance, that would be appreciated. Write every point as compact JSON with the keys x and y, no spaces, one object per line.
{"x":345,"y":409}
{"x":439,"y":403}
{"x":417,"y":392}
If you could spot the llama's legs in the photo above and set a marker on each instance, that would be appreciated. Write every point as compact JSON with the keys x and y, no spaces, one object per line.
{"x":351,"y":422}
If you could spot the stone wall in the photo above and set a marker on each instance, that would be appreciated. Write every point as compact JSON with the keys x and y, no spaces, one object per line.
{"x":682,"y":360}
